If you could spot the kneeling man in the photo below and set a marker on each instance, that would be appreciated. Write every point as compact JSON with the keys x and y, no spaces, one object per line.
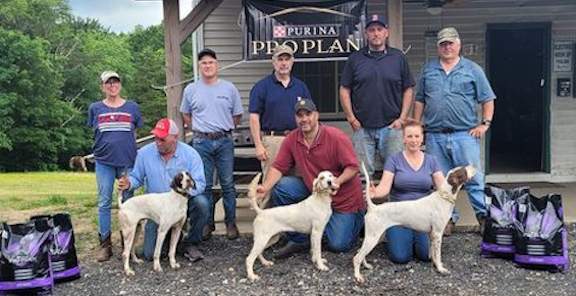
{"x":310,"y":149}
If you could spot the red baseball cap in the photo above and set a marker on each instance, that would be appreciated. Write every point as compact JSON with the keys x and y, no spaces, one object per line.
{"x":165,"y":127}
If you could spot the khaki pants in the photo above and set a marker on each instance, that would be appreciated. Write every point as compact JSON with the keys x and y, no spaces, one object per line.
{"x":272,"y":145}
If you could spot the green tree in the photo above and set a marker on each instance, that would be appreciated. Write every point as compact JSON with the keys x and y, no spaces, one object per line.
{"x":30,"y":86}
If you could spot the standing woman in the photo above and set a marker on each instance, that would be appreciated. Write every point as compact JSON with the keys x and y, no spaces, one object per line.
{"x":114,"y":121}
{"x":408,"y":175}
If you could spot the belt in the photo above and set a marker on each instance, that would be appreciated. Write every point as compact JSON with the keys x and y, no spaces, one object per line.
{"x":276,"y":133}
{"x":211,"y":136}
{"x":446,"y":130}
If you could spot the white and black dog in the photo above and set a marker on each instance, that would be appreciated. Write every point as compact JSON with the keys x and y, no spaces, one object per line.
{"x":167,"y":209}
{"x":308,"y":216}
{"x":428,"y":214}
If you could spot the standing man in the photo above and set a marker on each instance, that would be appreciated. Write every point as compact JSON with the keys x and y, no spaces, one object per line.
{"x":448,"y":92}
{"x":310,"y":149}
{"x":376,"y":91}
{"x":211,"y":107}
{"x":155,"y":167}
{"x":272,"y":100}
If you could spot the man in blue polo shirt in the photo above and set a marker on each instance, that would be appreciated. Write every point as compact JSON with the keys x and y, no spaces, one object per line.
{"x":376,"y":91}
{"x":211,"y":107}
{"x":155,"y":167}
{"x":448,"y":92}
{"x":272,"y":101}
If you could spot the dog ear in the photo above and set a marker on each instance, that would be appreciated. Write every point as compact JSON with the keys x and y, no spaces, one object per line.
{"x":191,"y":180}
{"x":456,"y":179}
{"x":315,"y":184}
{"x":177,"y":182}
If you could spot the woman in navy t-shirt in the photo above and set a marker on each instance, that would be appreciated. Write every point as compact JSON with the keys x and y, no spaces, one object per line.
{"x":114,"y":121}
{"x":408,"y":175}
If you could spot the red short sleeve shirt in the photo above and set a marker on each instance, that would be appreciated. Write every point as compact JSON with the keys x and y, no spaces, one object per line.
{"x":332,"y":151}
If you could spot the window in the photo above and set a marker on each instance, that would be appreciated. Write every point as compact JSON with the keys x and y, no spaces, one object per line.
{"x":323,"y":80}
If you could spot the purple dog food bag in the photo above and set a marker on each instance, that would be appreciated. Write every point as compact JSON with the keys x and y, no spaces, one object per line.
{"x":63,"y":259}
{"x":542,"y":238}
{"x":25,"y":260}
{"x":499,"y":229}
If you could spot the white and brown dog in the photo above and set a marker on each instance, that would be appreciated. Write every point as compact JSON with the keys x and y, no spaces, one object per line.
{"x":167,"y":209}
{"x":308,"y":216}
{"x":428,"y":214}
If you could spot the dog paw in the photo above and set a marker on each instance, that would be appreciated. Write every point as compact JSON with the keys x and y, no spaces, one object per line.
{"x":368,"y":265}
{"x":137,"y":260}
{"x":359,"y":279}
{"x":267,"y":263}
{"x":253,"y":277}
{"x":158,"y":268}
{"x":322,"y":266}
{"x":443,"y":271}
{"x":129,"y":272}
{"x":174,"y":265}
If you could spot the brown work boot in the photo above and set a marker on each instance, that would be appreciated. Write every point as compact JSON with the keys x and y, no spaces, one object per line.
{"x":232,"y":231}
{"x":105,"y":250}
{"x":291,"y":248}
{"x":193,"y":254}
{"x":449,"y":228}
{"x":207,"y":231}
{"x":481,"y":223}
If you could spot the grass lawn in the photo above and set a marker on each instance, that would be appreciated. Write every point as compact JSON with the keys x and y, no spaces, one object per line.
{"x":25,"y":194}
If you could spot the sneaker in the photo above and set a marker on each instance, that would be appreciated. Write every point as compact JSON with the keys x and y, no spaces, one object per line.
{"x":193,"y":254}
{"x":290,"y":249}
{"x":449,"y":228}
{"x":232,"y":231}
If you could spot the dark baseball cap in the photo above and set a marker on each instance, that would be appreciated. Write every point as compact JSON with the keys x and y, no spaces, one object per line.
{"x":376,"y":18}
{"x":305,"y":104}
{"x":207,"y":52}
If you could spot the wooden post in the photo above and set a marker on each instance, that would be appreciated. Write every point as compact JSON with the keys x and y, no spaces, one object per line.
{"x":173,"y":61}
{"x":395,"y":20}
{"x":175,"y":33}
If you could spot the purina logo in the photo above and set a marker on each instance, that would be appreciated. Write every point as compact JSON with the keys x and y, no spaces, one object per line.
{"x":306,"y":31}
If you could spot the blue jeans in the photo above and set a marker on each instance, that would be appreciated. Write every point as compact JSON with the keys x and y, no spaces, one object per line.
{"x":385,"y":141}
{"x":198,"y":214}
{"x":403,"y":243}
{"x":460,"y":149}
{"x":342,"y":229}
{"x":219,"y":154}
{"x":105,"y":177}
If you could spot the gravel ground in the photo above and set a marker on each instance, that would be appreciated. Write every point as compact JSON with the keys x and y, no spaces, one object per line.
{"x":223,"y":273}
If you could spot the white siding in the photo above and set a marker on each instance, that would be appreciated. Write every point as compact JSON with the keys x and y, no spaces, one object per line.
{"x":471,"y":17}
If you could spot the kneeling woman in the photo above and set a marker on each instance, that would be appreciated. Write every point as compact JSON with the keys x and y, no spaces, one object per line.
{"x":408,"y":175}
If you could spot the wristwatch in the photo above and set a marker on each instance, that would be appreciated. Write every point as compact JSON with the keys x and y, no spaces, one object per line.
{"x":486,"y":122}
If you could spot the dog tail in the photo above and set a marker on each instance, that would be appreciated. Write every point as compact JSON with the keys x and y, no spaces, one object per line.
{"x":368,"y":183}
{"x":252,"y":193}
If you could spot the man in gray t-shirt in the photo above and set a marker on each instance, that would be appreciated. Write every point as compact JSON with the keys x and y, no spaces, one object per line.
{"x":211,"y":108}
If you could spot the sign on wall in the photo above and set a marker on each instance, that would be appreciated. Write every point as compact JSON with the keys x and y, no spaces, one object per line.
{"x":327,"y":30}
{"x":562,"y":56}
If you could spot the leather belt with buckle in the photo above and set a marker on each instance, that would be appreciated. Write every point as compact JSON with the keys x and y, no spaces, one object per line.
{"x":276,"y":133}
{"x":212,"y":136}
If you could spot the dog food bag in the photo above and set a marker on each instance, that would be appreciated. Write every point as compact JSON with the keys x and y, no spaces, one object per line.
{"x":499,"y":229}
{"x":64,"y":261}
{"x":25,"y":259}
{"x":542,"y":237}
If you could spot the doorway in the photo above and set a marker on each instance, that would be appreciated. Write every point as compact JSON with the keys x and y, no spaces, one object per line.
{"x":517,"y":60}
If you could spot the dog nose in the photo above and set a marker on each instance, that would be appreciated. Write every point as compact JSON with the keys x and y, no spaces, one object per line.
{"x":329,"y":182}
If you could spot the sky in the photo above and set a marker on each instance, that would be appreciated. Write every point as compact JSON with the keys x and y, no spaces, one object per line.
{"x":124,"y":15}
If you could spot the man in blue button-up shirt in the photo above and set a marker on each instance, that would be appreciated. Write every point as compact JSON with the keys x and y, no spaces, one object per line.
{"x":447,"y":94}
{"x":155,"y":167}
